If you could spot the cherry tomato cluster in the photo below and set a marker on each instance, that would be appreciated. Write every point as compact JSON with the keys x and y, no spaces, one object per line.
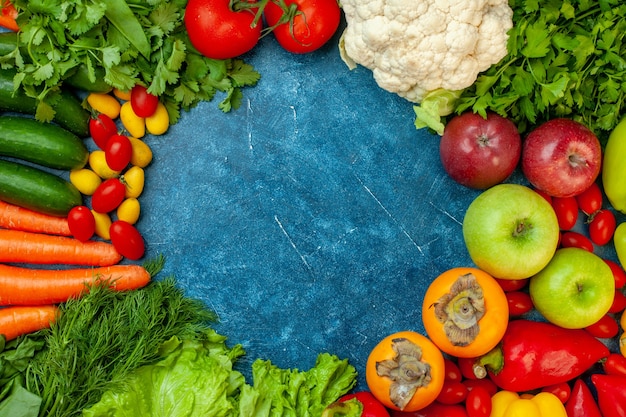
{"x":115,"y":177}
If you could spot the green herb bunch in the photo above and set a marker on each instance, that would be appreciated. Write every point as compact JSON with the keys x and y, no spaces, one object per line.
{"x":566,"y":58}
{"x":124,"y":42}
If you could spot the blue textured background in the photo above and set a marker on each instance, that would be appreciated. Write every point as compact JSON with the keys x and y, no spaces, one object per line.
{"x":311,"y":219}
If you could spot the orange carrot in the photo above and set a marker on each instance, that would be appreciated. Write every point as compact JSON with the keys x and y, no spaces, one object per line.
{"x":8,"y":16}
{"x":20,"y":320}
{"x":37,"y":248}
{"x":19,"y":218}
{"x":28,"y":286}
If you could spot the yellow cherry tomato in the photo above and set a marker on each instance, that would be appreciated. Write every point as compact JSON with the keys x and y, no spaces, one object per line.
{"x":85,"y":180}
{"x":622,"y":344}
{"x":129,"y":210}
{"x":159,"y":122}
{"x":104,"y":103}
{"x":103,"y":224}
{"x":122,"y":95}
{"x":98,"y":163}
{"x":134,"y":124}
{"x":142,"y":154}
{"x":134,"y":180}
{"x":622,"y":321}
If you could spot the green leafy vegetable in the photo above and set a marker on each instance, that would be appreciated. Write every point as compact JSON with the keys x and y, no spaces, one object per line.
{"x":131,"y":42}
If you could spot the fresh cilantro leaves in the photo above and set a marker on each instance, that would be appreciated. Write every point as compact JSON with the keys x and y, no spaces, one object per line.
{"x":125,"y":42}
{"x":566,"y":58}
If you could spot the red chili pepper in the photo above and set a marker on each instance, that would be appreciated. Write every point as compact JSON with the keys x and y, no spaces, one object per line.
{"x":611,"y":391}
{"x":526,"y":358}
{"x":581,"y":402}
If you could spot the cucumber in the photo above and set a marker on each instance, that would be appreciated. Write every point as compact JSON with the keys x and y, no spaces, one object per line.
{"x":37,"y":190}
{"x":41,"y":143}
{"x":69,"y":112}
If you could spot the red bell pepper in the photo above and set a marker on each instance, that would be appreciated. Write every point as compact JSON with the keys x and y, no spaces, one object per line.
{"x":8,"y":14}
{"x":581,"y":402}
{"x":534,"y":354}
{"x":611,"y":391}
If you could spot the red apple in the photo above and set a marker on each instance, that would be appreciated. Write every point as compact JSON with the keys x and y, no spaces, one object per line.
{"x":480,"y":152}
{"x":561,"y":157}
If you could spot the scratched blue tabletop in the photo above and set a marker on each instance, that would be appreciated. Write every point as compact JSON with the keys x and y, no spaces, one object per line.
{"x":312,"y":218}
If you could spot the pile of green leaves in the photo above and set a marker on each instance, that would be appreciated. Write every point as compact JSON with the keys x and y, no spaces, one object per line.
{"x":566,"y":58}
{"x":125,"y":43}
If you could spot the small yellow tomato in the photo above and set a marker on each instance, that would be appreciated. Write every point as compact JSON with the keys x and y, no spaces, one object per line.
{"x":134,"y":124}
{"x":159,"y":122}
{"x":134,"y":180}
{"x":622,"y":321}
{"x":142,"y":154}
{"x":104,"y":103}
{"x":103,"y":224}
{"x":122,"y":95}
{"x":129,"y":210}
{"x":622,"y":344}
{"x":98,"y":163}
{"x":85,"y":180}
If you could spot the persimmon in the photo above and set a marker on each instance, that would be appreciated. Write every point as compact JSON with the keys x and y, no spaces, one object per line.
{"x":405,"y":371}
{"x":465,"y":312}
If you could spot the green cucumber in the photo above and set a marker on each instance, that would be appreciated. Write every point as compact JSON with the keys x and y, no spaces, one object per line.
{"x":69,"y":112}
{"x":41,"y":143}
{"x":36,"y":189}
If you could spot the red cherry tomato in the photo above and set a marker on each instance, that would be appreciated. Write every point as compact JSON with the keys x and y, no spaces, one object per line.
{"x":452,"y":371}
{"x":512,"y":284}
{"x":519,"y":303}
{"x":101,"y":128}
{"x":562,"y":391}
{"x":619,"y":302}
{"x":453,"y":392}
{"x":618,"y":273}
{"x":576,"y":240}
{"x":615,"y":364}
{"x":305,"y":26}
{"x":478,"y":402}
{"x":602,"y":225}
{"x":218,"y":31}
{"x":143,"y":103}
{"x":127,"y":240}
{"x":485,"y":383}
{"x":118,"y":152}
{"x":605,"y":328}
{"x":566,"y":210}
{"x":466,"y":365}
{"x":81,"y":222}
{"x":108,"y":196}
{"x":371,"y":406}
{"x":590,"y":200}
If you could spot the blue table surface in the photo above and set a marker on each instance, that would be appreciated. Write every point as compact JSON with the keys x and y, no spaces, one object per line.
{"x":311,"y":219}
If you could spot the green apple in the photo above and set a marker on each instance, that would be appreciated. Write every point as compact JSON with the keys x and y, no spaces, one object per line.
{"x":510,"y":231}
{"x":574,"y":290}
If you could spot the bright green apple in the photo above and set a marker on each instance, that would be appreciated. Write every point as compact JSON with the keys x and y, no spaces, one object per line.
{"x":574,"y":290}
{"x":510,"y":231}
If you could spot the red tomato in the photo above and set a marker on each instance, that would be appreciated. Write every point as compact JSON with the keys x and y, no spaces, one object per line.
{"x":478,"y":402}
{"x":118,"y":152}
{"x":602,"y":225}
{"x":101,"y":128}
{"x":485,"y":383}
{"x":590,"y":200}
{"x":108,"y":196}
{"x":576,"y":240}
{"x":305,"y":26}
{"x":566,"y":210}
{"x":519,"y":303}
{"x":615,"y":364}
{"x":562,"y":391}
{"x":619,"y":302}
{"x":453,"y":392}
{"x":219,"y":32}
{"x":452,"y":371}
{"x":81,"y":222}
{"x":127,"y":240}
{"x":605,"y":328}
{"x":371,"y":406}
{"x":512,"y":284}
{"x":143,"y":103}
{"x":618,"y":273}
{"x":466,"y":365}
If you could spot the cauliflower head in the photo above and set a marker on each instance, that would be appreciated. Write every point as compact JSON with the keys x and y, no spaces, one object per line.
{"x":417,"y":46}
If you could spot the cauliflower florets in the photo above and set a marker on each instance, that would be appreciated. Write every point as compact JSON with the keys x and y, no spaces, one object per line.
{"x":417,"y":46}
